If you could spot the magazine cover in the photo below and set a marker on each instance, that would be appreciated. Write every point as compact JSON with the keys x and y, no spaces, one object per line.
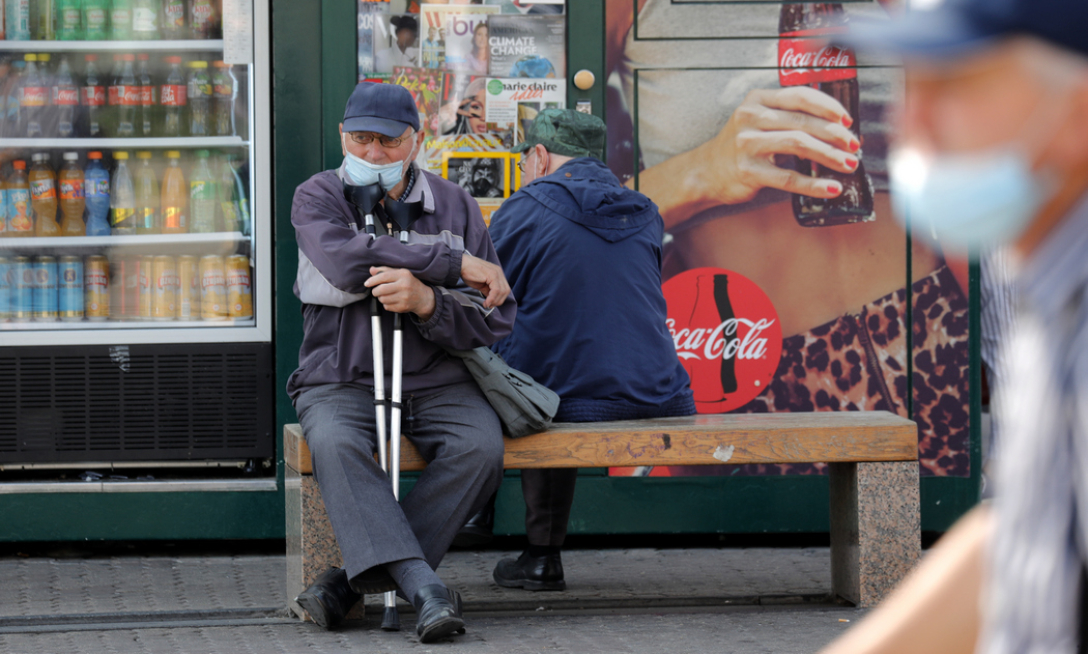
{"x":463,"y":104}
{"x":396,"y":41}
{"x":528,"y":46}
{"x":513,"y":103}
{"x":434,"y":149}
{"x":529,"y":7}
{"x":426,"y":87}
{"x":482,"y":175}
{"x":370,"y":13}
{"x":466,"y":43}
{"x":433,"y":19}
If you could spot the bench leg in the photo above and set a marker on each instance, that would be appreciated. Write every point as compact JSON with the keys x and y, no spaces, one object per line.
{"x":875,"y":528}
{"x":311,"y":545}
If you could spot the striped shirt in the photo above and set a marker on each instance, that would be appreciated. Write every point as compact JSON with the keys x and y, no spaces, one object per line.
{"x":996,"y":316}
{"x":1041,"y":505}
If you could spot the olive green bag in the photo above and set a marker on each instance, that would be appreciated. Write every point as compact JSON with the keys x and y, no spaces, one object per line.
{"x":523,"y":405}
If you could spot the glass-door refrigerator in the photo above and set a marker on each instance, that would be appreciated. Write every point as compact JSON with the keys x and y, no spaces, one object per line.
{"x":135,"y":282}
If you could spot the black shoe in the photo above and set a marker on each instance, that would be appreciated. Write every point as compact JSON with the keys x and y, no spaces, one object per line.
{"x":329,"y":598}
{"x":479,"y":528}
{"x":531,"y":572}
{"x":438,"y":613}
{"x":373,"y":581}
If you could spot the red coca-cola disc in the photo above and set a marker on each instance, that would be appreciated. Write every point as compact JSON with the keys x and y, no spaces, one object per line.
{"x":727,"y":336}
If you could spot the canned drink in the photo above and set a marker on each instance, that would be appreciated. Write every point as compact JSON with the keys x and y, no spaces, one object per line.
{"x":188,"y":289}
{"x":144,"y":297}
{"x":239,"y":295}
{"x":22,"y":289}
{"x":44,"y":293}
{"x":213,"y":288}
{"x":70,"y":288}
{"x":164,"y":291}
{"x":125,"y":289}
{"x":5,"y":288}
{"x":96,"y":288}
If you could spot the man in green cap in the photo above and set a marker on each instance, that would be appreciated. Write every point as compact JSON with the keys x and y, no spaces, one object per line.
{"x":583,"y":256}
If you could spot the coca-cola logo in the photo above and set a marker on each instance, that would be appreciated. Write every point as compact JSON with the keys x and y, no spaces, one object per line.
{"x":812,"y":61}
{"x":727,"y":336}
{"x":65,"y":96}
{"x":34,"y":96}
{"x":130,"y":95}
{"x":94,"y":95}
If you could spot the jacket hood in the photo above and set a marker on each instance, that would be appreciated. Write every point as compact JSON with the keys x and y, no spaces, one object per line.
{"x":585,"y":191}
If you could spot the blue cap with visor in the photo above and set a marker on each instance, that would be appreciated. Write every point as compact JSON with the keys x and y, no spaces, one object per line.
{"x":386,"y":109}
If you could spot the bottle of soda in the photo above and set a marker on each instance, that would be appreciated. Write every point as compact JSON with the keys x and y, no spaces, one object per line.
{"x":200,"y":96}
{"x":12,"y":89}
{"x":129,"y":94}
{"x":145,"y":19}
{"x":121,"y":20}
{"x":203,"y":19}
{"x":147,"y":197}
{"x":17,"y":20}
{"x":173,"y":95}
{"x":96,"y":189}
{"x":804,"y":60}
{"x":148,"y":92}
{"x":122,"y":198}
{"x":92,"y":97}
{"x":42,"y":20}
{"x":202,"y":196}
{"x":113,"y":96}
{"x":69,"y":20}
{"x":43,"y":196}
{"x":223,"y":90}
{"x":72,"y":201}
{"x":229,"y":211}
{"x":65,"y":101}
{"x":175,"y":197}
{"x":49,"y":113}
{"x":96,"y":19}
{"x":3,"y":227}
{"x":175,"y":19}
{"x":32,"y":100}
{"x":20,"y":215}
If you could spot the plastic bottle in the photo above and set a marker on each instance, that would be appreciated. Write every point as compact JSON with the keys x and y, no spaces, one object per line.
{"x":203,"y":19}
{"x":147,"y":197}
{"x":96,"y":19}
{"x":246,"y":224}
{"x":32,"y":99}
{"x":11,"y":124}
{"x":228,"y":202}
{"x":65,"y":101}
{"x":175,"y":197}
{"x":175,"y":19}
{"x":17,"y":20}
{"x":42,"y":20}
{"x":72,"y":200}
{"x":3,"y":215}
{"x":113,"y":96}
{"x":43,"y":196}
{"x":223,"y":90}
{"x":96,"y":191}
{"x":202,"y":196}
{"x":92,"y":98}
{"x":145,"y":113}
{"x":121,"y":20}
{"x":122,"y":198}
{"x":145,"y":19}
{"x":20,"y":214}
{"x":128,"y":94}
{"x":69,"y":20}
{"x":49,"y":113}
{"x":173,"y":95}
{"x":200,"y":95}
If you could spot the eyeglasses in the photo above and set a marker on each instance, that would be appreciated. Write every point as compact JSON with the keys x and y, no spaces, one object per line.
{"x":521,"y":164}
{"x":366,"y":138}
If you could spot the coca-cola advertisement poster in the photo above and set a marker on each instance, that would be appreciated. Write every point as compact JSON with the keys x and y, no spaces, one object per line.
{"x":703,"y":108}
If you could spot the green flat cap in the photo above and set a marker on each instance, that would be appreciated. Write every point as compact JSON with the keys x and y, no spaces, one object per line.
{"x":566,"y":132}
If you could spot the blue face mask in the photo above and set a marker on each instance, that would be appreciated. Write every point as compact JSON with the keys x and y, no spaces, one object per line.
{"x":975,"y":200}
{"x":363,"y":173}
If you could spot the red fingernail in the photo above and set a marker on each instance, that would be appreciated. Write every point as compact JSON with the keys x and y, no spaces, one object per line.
{"x":851,"y":163}
{"x":854,"y":146}
{"x":834,"y":188}
{"x":847,"y":120}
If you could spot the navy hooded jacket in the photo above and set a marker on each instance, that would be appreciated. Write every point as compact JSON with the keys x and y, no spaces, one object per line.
{"x":583,"y":256}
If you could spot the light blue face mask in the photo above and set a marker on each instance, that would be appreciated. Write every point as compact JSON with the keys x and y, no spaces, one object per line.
{"x":975,"y":200}
{"x":363,"y":173}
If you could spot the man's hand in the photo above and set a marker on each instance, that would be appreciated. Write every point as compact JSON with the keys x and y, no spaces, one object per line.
{"x":400,"y":291}
{"x":486,"y":278}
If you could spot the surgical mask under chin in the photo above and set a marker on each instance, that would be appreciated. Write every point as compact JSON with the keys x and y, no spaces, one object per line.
{"x":973,"y":200}
{"x":363,"y":173}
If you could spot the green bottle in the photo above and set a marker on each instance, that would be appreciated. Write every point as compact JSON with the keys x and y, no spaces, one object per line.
{"x":69,"y":20}
{"x":145,"y":19}
{"x":202,"y":196}
{"x":96,"y":19}
{"x":121,"y":20}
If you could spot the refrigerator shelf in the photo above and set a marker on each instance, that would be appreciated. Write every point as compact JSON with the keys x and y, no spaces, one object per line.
{"x":188,"y":45}
{"x":181,"y":142}
{"x":84,"y":325}
{"x":53,"y":243}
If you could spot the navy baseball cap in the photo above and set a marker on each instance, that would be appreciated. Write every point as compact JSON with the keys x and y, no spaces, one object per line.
{"x":387,"y":109}
{"x":950,"y":28}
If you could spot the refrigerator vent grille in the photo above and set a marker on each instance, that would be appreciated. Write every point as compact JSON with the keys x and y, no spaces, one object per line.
{"x":138,"y":403}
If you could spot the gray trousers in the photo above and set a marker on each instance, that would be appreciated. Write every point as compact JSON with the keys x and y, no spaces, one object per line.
{"x":458,"y":434}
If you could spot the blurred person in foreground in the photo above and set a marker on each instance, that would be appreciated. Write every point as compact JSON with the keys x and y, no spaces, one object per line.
{"x":993,"y":148}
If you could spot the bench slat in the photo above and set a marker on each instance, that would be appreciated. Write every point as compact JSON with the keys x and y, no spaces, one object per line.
{"x":826,"y":436}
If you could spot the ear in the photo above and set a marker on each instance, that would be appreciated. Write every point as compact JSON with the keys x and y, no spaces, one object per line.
{"x":542,"y":158}
{"x":1069,"y":149}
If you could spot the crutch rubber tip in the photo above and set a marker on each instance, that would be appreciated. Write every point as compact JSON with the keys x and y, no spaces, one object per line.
{"x":391,"y":619}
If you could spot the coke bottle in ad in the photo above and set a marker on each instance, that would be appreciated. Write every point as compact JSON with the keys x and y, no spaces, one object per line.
{"x":709,"y":376}
{"x":65,"y":101}
{"x":804,"y":58}
{"x":92,"y":97}
{"x":726,"y":314}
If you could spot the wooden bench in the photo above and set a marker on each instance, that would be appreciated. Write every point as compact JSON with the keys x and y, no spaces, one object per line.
{"x":873,"y":457}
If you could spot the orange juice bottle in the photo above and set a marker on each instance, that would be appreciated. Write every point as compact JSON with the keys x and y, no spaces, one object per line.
{"x":43,"y":196}
{"x":20,"y":222}
{"x":175,"y":197}
{"x":71,"y":197}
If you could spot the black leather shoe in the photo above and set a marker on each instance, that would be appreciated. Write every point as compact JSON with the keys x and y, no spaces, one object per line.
{"x":479,"y":528}
{"x":329,"y":598}
{"x":438,"y":613}
{"x":531,"y":572}
{"x":373,"y":581}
